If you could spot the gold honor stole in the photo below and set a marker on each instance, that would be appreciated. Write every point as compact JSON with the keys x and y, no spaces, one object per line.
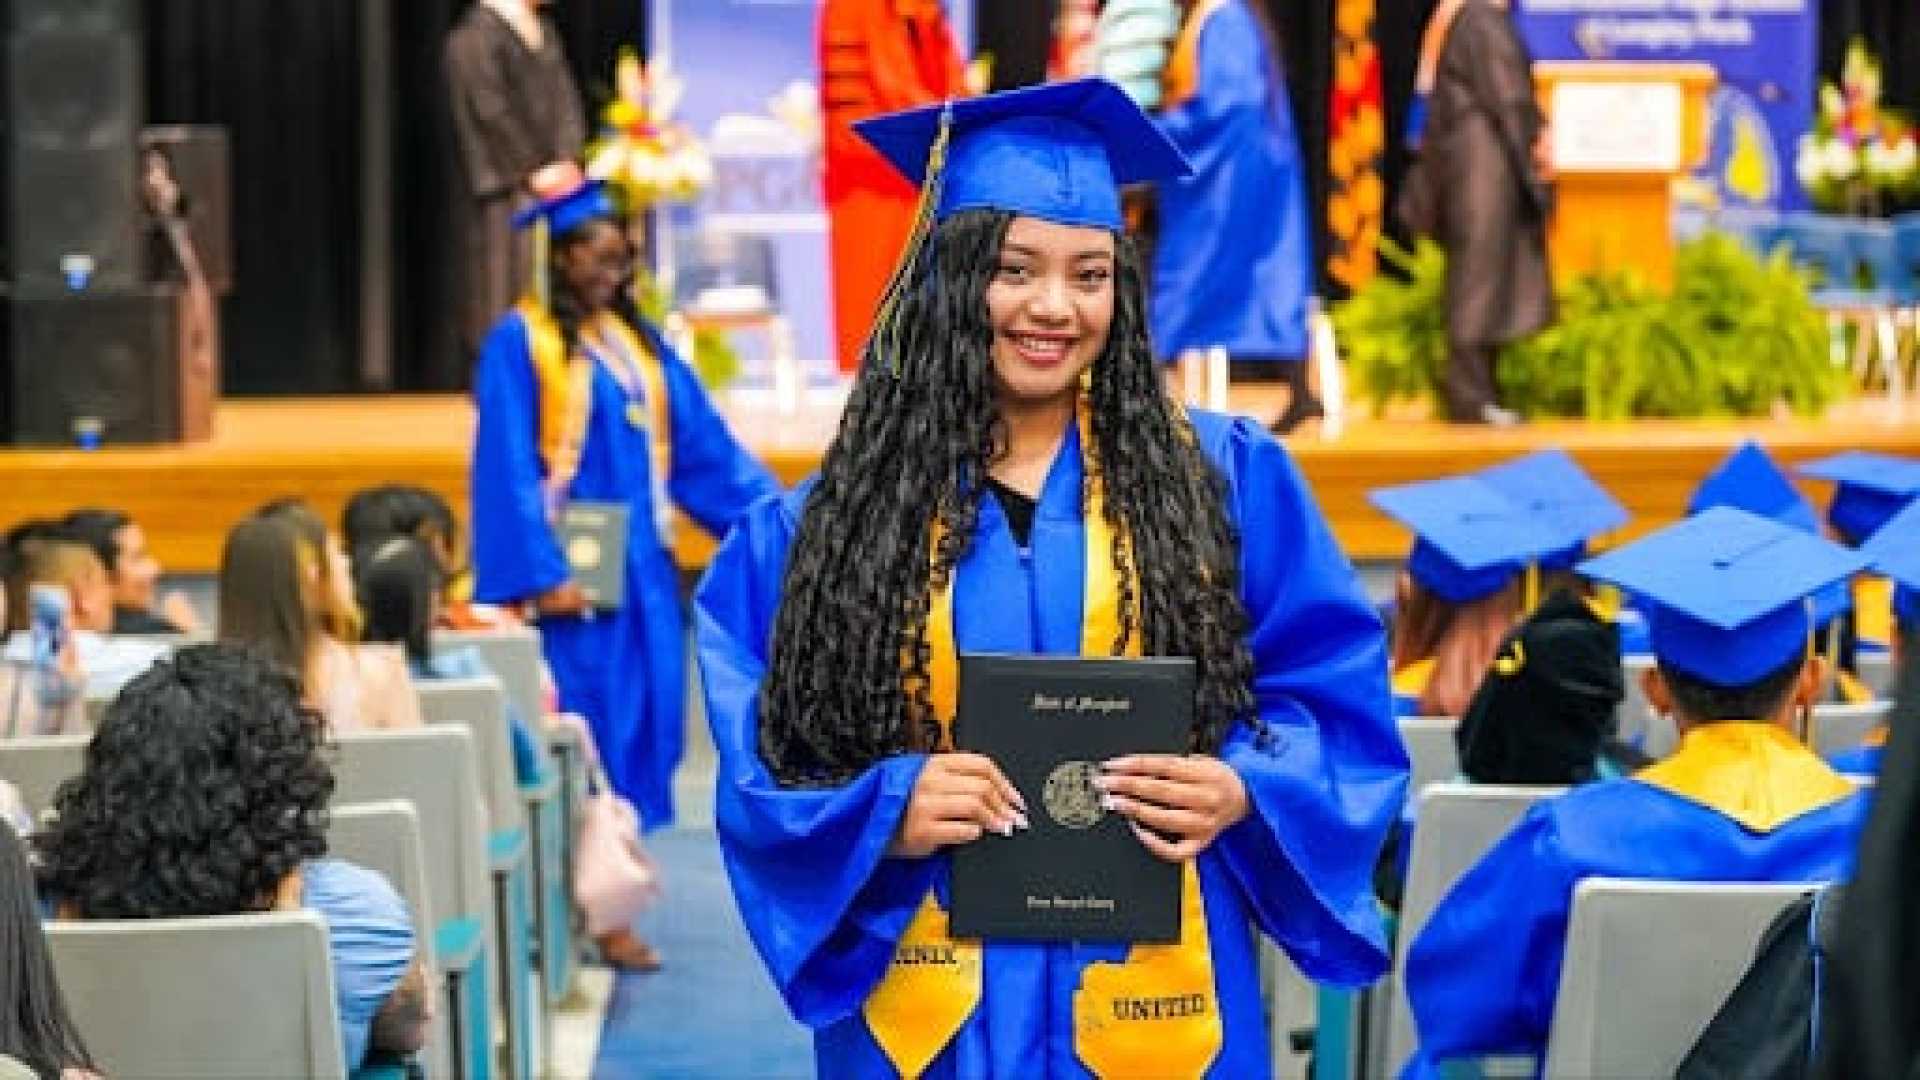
{"x":1754,"y":773}
{"x":1154,"y":1014}
{"x":565,"y":385}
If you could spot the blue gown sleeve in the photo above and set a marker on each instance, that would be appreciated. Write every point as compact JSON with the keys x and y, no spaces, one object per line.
{"x":714,"y":479}
{"x":1328,"y":782}
{"x":371,"y":939}
{"x":1231,"y":93}
{"x":1483,"y":973}
{"x":515,"y":555}
{"x":820,"y":899}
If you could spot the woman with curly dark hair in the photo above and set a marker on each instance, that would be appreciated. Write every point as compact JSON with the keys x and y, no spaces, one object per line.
{"x":1010,"y":477}
{"x":205,"y":793}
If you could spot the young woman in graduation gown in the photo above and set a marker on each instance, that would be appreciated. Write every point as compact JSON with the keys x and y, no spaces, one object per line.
{"x":580,"y":399}
{"x":1010,"y":383}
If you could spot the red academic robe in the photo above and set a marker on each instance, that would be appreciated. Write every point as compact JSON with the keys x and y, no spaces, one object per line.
{"x":876,"y":56}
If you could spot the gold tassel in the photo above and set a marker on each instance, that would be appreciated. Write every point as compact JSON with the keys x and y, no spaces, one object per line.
{"x":886,"y":331}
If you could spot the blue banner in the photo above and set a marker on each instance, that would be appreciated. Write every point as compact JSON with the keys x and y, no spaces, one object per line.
{"x":752,"y":96}
{"x":1764,"y":50}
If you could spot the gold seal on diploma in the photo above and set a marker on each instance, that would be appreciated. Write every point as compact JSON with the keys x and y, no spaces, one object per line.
{"x":1070,"y":796}
{"x":583,"y":553}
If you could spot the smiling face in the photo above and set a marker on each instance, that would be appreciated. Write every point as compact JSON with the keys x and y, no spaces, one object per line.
{"x":594,"y":262}
{"x":1050,"y":305}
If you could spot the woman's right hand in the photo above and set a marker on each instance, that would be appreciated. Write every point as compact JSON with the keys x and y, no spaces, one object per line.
{"x":565,"y":599}
{"x":956,"y":799}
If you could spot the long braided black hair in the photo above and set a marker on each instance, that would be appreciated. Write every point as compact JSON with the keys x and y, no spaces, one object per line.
{"x":848,"y":678}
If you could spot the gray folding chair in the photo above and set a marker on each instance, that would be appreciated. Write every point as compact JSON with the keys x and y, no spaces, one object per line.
{"x":1647,"y":965}
{"x":513,"y":655}
{"x":1458,"y":824}
{"x":1431,"y":749}
{"x":39,"y":766}
{"x":243,"y":996}
{"x":1876,"y":670}
{"x":433,"y":768}
{"x":1838,"y":727}
{"x":385,"y":837}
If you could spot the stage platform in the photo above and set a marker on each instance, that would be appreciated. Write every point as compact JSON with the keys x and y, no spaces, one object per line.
{"x":324,"y":449}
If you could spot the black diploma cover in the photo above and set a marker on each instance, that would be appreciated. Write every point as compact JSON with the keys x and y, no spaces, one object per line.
{"x":1079,"y":873}
{"x":594,"y":537}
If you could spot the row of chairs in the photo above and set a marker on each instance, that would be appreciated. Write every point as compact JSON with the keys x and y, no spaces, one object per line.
{"x":482,"y":862}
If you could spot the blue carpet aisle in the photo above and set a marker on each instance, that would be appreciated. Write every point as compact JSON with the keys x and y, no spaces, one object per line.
{"x":711,"y":1012}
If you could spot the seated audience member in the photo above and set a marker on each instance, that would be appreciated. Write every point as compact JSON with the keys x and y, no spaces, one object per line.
{"x":43,"y":693}
{"x":399,"y":584}
{"x":36,"y":1032}
{"x":205,"y":793}
{"x":285,"y":589}
{"x":132,"y":573}
{"x":55,"y":557}
{"x":1742,"y":799}
{"x":1895,"y":551}
{"x":376,"y":513}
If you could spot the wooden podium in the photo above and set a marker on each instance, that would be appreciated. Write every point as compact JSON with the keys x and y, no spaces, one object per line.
{"x":1622,"y":134}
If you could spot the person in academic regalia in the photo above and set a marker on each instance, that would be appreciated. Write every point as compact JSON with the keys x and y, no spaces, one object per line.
{"x":1477,"y":185}
{"x":1232,"y":264}
{"x":876,"y":56}
{"x":1010,"y":477}
{"x":1895,"y":551}
{"x":581,"y":399}
{"x":1869,"y":489}
{"x":519,"y":130}
{"x":1743,"y":799}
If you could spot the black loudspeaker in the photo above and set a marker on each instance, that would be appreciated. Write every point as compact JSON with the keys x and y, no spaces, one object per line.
{"x":74,"y":106}
{"x":101,"y":364}
{"x":198,"y":160}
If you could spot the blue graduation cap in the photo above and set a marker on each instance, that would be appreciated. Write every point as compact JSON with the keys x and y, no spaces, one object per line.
{"x":1872,"y":489}
{"x":1470,"y":540}
{"x":1058,"y":151}
{"x":1729,"y":591}
{"x":1552,"y":487}
{"x":1749,"y":480}
{"x":1895,"y":551}
{"x":564,"y":213}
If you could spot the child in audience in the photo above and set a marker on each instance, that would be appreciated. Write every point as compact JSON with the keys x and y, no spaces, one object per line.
{"x":286,"y":590}
{"x":121,"y":545}
{"x":36,"y":1031}
{"x":399,"y":585}
{"x":205,"y":792}
{"x":1743,"y":799}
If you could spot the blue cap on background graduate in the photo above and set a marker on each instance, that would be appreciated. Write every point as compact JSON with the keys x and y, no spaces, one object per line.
{"x":1470,"y":540}
{"x":1058,"y":151}
{"x":566,"y":212}
{"x":1729,"y":592}
{"x":1750,"y":480}
{"x":1870,"y":489}
{"x":1895,"y":551}
{"x":1552,"y":487}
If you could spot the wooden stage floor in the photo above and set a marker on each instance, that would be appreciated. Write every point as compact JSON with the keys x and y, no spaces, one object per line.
{"x":324,"y":449}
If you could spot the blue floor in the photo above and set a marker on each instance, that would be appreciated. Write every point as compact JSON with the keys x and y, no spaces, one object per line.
{"x":710,"y":1012}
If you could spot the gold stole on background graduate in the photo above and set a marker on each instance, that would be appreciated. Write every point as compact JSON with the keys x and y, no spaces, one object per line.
{"x":1752,"y":772}
{"x":565,"y":384}
{"x":1155,"y":1014}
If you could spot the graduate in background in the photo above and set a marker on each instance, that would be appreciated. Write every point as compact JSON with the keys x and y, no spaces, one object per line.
{"x":1010,"y":476}
{"x":1869,"y":490}
{"x":1741,"y":800}
{"x":876,"y":56}
{"x":580,"y":399}
{"x":1895,"y":551}
{"x":1232,"y":264}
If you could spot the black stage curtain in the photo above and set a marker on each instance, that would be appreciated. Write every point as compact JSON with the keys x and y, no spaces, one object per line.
{"x":1019,"y":35}
{"x":285,"y":80}
{"x":1891,"y":29}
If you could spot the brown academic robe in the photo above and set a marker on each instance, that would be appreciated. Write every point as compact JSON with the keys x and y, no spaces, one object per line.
{"x":514,"y":110}
{"x":1490,"y":206}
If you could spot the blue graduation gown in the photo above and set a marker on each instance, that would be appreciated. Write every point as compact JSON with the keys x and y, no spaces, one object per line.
{"x":824,"y":905}
{"x":1483,"y":973}
{"x":1862,"y":760}
{"x":1232,"y":263}
{"x":623,"y":670}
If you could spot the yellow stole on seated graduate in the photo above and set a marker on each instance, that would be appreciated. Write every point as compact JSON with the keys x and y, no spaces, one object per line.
{"x":1154,"y":1014}
{"x":1754,"y":773}
{"x":565,"y":384}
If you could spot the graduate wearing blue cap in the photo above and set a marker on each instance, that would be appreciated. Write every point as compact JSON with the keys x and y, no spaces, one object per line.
{"x":1009,"y":476}
{"x":1895,"y":551}
{"x":1741,"y":800}
{"x":580,"y":399}
{"x":1869,"y":489}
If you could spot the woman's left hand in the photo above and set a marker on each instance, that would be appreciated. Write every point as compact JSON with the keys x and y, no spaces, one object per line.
{"x":1183,"y":801}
